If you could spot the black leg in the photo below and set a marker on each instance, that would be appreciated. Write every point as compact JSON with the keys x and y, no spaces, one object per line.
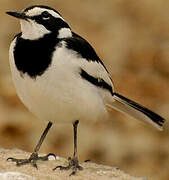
{"x":73,"y":162}
{"x":42,"y":137}
{"x":34,"y":156}
{"x":75,"y":124}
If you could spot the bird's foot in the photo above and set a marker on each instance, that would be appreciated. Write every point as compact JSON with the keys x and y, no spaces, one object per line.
{"x":73,"y":164}
{"x":32,"y":159}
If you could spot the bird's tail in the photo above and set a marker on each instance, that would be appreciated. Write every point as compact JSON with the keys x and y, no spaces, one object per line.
{"x":137,"y":111}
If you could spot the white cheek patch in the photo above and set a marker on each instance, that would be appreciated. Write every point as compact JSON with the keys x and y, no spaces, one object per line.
{"x":64,"y":33}
{"x":32,"y":30}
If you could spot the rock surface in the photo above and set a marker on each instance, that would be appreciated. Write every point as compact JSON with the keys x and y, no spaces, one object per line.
{"x":92,"y":171}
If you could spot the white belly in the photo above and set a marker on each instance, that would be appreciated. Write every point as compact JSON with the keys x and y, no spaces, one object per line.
{"x":59,"y":95}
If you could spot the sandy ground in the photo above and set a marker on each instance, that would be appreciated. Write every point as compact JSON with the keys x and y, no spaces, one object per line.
{"x":132,"y":39}
{"x":91,"y":171}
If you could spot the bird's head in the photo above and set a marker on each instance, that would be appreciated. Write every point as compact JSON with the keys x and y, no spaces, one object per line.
{"x":37,"y":21}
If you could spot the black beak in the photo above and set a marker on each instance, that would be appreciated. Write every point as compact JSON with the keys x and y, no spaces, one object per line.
{"x":19,"y":15}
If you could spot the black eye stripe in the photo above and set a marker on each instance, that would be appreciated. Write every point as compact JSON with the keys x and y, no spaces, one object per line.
{"x":45,"y":14}
{"x":52,"y":24}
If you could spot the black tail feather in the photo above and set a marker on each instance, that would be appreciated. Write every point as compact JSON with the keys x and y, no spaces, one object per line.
{"x":157,"y":119}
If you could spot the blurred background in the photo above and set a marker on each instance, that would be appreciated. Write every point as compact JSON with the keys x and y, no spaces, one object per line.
{"x":132,"y":39}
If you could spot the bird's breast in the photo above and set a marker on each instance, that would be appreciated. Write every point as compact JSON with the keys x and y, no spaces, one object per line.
{"x":59,"y":94}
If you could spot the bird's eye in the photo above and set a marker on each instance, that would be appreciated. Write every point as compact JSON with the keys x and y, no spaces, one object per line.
{"x":45,"y":15}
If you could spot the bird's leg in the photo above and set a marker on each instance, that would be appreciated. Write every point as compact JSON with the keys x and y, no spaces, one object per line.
{"x":73,"y":162}
{"x":34,"y":156}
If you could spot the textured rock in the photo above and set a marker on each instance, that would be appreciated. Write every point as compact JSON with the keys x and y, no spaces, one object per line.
{"x":15,"y":176}
{"x":92,"y":171}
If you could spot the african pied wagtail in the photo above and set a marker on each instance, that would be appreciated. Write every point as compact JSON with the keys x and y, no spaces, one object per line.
{"x":59,"y":77}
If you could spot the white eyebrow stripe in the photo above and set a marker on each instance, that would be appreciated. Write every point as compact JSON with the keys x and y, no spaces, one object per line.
{"x":37,"y":11}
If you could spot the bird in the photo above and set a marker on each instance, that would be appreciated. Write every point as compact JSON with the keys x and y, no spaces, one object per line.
{"x":60,"y":78}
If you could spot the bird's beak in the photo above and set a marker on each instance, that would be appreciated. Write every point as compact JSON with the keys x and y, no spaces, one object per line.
{"x":19,"y":15}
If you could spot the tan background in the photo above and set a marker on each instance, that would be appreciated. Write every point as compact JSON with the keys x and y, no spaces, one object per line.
{"x":132,"y":38}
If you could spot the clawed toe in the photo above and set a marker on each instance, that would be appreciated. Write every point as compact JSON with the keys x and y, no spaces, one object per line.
{"x":46,"y":158}
{"x":21,"y":162}
{"x":31,"y":160}
{"x":73,"y":164}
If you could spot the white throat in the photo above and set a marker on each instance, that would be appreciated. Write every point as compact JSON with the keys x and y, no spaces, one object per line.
{"x":32,"y":30}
